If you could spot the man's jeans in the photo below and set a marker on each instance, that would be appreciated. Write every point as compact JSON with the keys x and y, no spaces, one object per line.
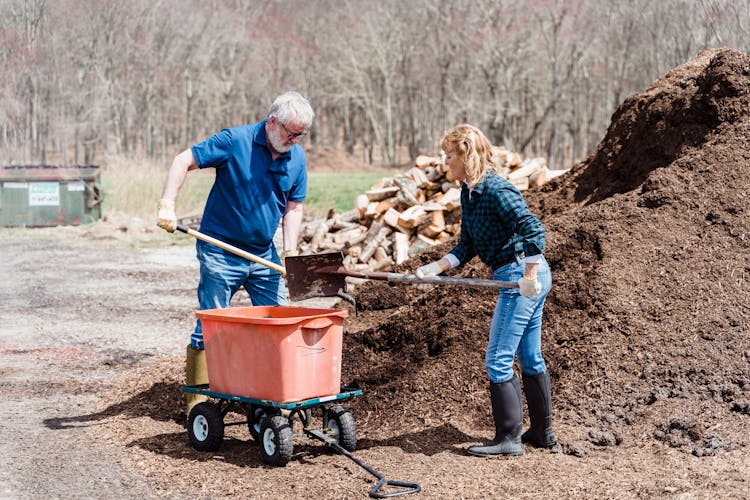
{"x":223,"y":273}
{"x":516,"y":328}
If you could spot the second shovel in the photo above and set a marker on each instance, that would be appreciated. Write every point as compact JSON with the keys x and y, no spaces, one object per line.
{"x":322,"y":275}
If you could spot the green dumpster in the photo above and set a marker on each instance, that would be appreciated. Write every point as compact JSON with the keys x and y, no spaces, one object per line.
{"x":49,"y":195}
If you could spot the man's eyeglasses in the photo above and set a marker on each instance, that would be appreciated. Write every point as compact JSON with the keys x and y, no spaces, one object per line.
{"x":290,"y":135}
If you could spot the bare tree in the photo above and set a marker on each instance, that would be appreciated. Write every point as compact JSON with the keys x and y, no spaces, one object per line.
{"x":82,"y":79}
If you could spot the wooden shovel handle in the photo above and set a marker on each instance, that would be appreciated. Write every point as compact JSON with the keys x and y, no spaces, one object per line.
{"x":232,"y":249}
{"x":433,"y":280}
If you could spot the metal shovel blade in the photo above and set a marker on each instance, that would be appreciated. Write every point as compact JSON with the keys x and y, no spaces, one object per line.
{"x":304,"y":280}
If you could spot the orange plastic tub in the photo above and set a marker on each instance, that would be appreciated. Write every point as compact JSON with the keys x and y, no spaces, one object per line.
{"x":278,"y":353}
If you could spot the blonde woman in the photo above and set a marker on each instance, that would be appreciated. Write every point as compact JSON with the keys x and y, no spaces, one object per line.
{"x":496,"y":225}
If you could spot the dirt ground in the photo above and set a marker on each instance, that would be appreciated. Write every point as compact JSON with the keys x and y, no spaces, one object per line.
{"x":646,"y":334}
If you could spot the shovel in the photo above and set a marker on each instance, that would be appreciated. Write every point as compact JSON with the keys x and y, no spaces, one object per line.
{"x":322,"y":275}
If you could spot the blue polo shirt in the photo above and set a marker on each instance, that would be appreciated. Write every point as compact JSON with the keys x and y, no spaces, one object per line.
{"x":251,"y":191}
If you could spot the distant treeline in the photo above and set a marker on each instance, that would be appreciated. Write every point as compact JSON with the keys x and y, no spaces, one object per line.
{"x":83,"y":79}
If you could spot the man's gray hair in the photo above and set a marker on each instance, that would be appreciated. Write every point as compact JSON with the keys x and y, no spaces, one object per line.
{"x":292,"y":106}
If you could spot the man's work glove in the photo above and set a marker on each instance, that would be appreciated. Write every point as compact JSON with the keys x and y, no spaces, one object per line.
{"x":529,"y":286}
{"x":431,"y":269}
{"x":166,"y":218}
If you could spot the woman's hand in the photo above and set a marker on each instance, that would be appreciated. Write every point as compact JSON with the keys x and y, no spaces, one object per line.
{"x":431,"y":269}
{"x":529,"y":286}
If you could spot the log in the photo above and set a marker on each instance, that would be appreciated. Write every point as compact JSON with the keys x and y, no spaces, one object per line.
{"x":374,"y":229}
{"x":444,"y":236}
{"x":350,"y":259}
{"x":435,"y":226}
{"x":382,"y":183}
{"x":514,"y":159}
{"x":357,"y":240}
{"x":453,"y":228}
{"x":447,"y":186}
{"x":320,"y":232}
{"x":412,"y":217}
{"x":384,"y":264}
{"x":420,"y":244}
{"x":451,"y":200}
{"x":329,"y":246}
{"x":552,"y":173}
{"x":432,"y":174}
{"x":387,"y":244}
{"x":423,"y":161}
{"x":354,"y":252}
{"x":348,"y":216}
{"x":359,"y":267}
{"x":432,"y":205}
{"x":372,"y":210}
{"x":380,"y":254}
{"x":522,"y":183}
{"x":360,"y":204}
{"x":500,"y":155}
{"x":373,"y":244}
{"x":419,"y":176}
{"x":391,"y":217}
{"x":308,"y":232}
{"x":340,"y":225}
{"x":386,"y":204}
{"x":539,"y":178}
{"x":408,"y":191}
{"x":433,"y":188}
{"x":400,"y":247}
{"x":382,"y":193}
{"x":344,"y":237}
{"x":527,"y":168}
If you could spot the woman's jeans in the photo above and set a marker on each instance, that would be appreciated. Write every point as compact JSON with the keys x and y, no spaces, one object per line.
{"x":516,"y":329}
{"x":222,"y":274}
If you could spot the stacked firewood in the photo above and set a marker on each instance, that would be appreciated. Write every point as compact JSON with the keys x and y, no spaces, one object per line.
{"x":402,"y":216}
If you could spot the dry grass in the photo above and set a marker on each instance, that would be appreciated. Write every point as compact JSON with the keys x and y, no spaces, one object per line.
{"x":134,"y":187}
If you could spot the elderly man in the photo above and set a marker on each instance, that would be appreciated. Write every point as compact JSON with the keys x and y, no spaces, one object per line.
{"x":261,"y":179}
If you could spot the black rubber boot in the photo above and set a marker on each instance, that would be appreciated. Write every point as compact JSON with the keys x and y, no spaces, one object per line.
{"x":507,"y":413}
{"x":539,"y":399}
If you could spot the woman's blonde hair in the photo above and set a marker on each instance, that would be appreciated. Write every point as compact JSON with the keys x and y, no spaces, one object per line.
{"x":471,"y":145}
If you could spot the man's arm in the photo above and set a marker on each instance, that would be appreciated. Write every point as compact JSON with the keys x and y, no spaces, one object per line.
{"x":291,"y":224}
{"x":182,"y":163}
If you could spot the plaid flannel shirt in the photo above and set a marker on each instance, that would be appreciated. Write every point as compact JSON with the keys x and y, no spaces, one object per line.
{"x":496,"y":223}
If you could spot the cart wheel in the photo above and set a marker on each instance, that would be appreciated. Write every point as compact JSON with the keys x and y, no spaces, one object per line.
{"x":255,"y":414}
{"x":340,"y":422}
{"x":276,"y":440}
{"x":205,"y":427}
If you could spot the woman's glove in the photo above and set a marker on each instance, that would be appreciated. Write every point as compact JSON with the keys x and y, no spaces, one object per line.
{"x":529,"y":287}
{"x":431,"y":269}
{"x":166,"y":218}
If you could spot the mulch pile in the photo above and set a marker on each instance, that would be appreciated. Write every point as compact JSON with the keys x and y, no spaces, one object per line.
{"x":646,"y":331}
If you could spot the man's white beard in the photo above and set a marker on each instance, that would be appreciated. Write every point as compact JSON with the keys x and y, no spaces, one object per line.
{"x":279,"y":144}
